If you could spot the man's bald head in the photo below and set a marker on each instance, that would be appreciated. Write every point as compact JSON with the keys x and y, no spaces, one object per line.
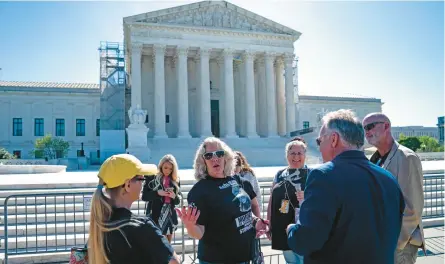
{"x":377,"y":129}
{"x":376,"y":117}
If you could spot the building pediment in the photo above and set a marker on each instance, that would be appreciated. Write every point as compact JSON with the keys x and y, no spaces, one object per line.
{"x":213,"y":14}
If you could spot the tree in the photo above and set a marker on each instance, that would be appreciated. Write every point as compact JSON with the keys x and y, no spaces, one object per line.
{"x":50,"y":148}
{"x":402,"y":137}
{"x":429,"y":144}
{"x":4,"y":154}
{"x":410,"y":142}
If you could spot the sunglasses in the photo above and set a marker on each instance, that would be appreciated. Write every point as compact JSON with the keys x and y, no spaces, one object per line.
{"x":139,"y":179}
{"x":318,"y":140}
{"x":371,"y":125}
{"x":210,"y":155}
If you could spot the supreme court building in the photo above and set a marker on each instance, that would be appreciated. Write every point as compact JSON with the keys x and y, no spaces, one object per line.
{"x":212,"y":68}
{"x":207,"y":68}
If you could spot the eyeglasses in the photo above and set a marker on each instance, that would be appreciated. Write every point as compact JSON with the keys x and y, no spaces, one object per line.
{"x":210,"y":155}
{"x":371,"y":125}
{"x":296,"y":154}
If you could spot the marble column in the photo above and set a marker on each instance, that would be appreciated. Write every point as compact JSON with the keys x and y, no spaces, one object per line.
{"x":296,"y":96}
{"x":229,"y":94}
{"x":249,"y":100}
{"x":281,"y":101}
{"x":136,"y":83}
{"x":222,"y":95}
{"x":270,"y":96}
{"x":182,"y":86}
{"x":290,"y":104}
{"x":159,"y":94}
{"x":204,"y":93}
{"x":261,"y":109}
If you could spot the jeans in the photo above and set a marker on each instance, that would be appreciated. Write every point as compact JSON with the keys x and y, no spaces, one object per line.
{"x":292,"y":257}
{"x":408,"y":255}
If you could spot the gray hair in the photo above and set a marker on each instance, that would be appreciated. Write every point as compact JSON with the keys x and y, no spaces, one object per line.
{"x":295,"y":143}
{"x":347,"y":125}
{"x":199,"y":165}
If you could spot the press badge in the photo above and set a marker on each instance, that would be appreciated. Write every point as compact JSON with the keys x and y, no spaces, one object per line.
{"x":284,"y":209}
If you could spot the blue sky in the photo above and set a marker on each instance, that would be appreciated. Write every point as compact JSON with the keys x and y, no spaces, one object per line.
{"x":389,"y":50}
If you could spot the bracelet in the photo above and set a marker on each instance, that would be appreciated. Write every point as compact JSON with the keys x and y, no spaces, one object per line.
{"x":255,"y":221}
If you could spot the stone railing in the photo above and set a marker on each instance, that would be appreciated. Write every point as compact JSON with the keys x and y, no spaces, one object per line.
{"x":23,"y":162}
{"x":431,"y":155}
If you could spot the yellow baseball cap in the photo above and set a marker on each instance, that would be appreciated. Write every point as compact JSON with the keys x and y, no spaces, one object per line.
{"x":118,"y":168}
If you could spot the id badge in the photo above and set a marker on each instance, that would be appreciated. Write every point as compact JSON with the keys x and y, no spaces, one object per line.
{"x":284,"y":209}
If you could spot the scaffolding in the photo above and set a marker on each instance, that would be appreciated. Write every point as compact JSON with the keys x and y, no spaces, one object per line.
{"x":112,"y":86}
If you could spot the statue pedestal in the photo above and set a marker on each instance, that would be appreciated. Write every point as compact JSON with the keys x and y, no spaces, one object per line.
{"x":137,"y":142}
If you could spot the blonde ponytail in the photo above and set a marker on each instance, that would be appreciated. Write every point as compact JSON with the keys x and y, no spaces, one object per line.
{"x":100,"y":214}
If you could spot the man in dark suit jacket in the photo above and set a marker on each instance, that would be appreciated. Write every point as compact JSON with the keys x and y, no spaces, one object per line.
{"x":352,"y":212}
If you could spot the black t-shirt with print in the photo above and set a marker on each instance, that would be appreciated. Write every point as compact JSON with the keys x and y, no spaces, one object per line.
{"x":143,"y":242}
{"x":246,"y":185}
{"x":227,"y":217}
{"x":284,"y":202}
{"x":296,"y":175}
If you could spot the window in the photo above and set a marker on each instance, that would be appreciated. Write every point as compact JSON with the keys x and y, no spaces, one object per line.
{"x":80,"y":127}
{"x":60,"y":127}
{"x":167,"y":119}
{"x":59,"y":154}
{"x":305,"y":124}
{"x":98,"y":127}
{"x":98,"y":153}
{"x":17,"y":127}
{"x":38,"y":127}
{"x":17,"y":154}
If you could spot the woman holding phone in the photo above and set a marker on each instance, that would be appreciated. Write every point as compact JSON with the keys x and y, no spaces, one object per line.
{"x":163,"y":193}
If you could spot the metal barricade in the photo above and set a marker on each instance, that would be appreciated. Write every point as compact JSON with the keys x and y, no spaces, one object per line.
{"x":56,"y":221}
{"x":433,"y":191}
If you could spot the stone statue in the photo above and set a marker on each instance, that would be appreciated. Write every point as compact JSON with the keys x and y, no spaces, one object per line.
{"x":137,"y":115}
{"x":320,"y":116}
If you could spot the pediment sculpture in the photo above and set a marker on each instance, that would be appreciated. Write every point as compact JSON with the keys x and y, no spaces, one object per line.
{"x":214,"y":16}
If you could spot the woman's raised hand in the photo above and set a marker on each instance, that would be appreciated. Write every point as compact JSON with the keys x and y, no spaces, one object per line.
{"x":188,"y":214}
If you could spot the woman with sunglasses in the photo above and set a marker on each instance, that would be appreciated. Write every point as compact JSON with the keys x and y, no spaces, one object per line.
{"x":116,"y":235}
{"x":219,"y":212}
{"x":286,"y":195}
{"x":162,"y":192}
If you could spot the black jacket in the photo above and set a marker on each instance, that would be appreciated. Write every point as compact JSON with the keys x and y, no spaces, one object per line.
{"x":150,"y":194}
{"x":352,"y":213}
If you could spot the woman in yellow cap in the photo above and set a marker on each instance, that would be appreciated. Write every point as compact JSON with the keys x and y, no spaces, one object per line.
{"x":116,"y":235}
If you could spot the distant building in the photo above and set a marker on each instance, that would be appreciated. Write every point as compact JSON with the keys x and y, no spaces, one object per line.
{"x":440,"y":120}
{"x":415,"y":131}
